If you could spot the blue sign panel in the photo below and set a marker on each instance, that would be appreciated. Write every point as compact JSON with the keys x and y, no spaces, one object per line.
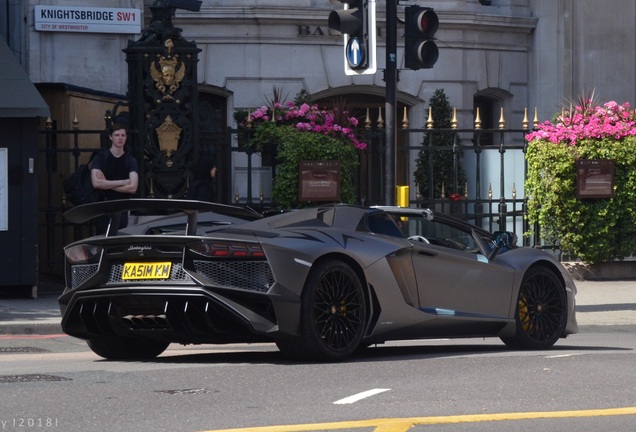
{"x":356,"y":53}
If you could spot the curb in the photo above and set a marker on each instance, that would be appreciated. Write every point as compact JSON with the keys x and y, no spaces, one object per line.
{"x":605,"y":271}
{"x":29,"y":328}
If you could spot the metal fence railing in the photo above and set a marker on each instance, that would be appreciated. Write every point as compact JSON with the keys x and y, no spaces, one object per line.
{"x":493,"y":194}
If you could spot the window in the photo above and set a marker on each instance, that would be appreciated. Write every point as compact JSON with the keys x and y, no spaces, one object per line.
{"x":383,"y":223}
{"x":435,"y":233}
{"x":486,"y":109}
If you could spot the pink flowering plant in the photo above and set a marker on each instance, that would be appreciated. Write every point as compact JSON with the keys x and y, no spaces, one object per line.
{"x":592,"y":230}
{"x":611,"y":120}
{"x":300,"y":130}
{"x":307,"y":118}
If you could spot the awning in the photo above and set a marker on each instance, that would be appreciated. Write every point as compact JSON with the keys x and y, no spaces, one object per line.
{"x":18,"y":95}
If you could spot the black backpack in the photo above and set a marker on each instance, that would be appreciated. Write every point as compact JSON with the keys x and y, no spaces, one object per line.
{"x":78,"y":187}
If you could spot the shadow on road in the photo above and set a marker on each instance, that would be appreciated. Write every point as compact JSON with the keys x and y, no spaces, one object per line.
{"x":268,"y":354}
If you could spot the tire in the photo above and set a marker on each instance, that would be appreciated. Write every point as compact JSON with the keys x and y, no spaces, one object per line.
{"x":333,"y":315}
{"x":120,"y":348}
{"x":541,"y":311}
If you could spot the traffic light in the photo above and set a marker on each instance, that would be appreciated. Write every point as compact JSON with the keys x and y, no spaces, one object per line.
{"x":420,"y":50}
{"x":356,"y":21}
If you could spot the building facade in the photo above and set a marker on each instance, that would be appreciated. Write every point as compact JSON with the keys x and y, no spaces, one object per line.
{"x":507,"y":57}
{"x":501,"y":55}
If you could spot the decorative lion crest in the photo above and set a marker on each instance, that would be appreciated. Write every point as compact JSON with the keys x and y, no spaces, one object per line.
{"x":167,"y":72}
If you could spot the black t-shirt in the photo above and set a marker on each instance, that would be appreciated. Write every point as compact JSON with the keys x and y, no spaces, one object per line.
{"x":115,"y":169}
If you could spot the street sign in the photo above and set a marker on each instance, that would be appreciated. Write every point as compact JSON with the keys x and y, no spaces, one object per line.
{"x":357,"y":24}
{"x":355,"y":53}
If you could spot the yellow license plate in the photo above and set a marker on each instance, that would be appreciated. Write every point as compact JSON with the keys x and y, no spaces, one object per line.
{"x":147,"y":270}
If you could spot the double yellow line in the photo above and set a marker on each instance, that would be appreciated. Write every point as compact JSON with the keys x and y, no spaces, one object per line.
{"x":404,"y":424}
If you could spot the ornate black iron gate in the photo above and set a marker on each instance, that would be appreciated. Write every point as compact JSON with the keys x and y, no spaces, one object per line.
{"x":500,"y":207}
{"x":163,"y":100}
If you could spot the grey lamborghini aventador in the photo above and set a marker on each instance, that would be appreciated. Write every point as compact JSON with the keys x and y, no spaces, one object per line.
{"x":320,"y":282}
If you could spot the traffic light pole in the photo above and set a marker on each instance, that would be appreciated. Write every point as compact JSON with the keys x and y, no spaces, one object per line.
{"x":390,"y":78}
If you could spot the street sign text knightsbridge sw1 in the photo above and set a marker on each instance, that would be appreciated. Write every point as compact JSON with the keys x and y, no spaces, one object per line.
{"x":87,"y":19}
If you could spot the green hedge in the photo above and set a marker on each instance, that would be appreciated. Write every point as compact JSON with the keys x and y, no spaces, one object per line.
{"x":293,"y":146}
{"x":593,"y":230}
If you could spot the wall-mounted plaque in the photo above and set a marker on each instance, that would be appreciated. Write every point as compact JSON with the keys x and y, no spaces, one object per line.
{"x":595,"y":178}
{"x":319,"y":181}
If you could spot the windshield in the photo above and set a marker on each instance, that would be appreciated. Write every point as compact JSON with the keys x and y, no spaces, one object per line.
{"x":434,"y":232}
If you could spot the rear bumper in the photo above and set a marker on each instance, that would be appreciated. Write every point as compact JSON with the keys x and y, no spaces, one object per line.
{"x":181,"y":315}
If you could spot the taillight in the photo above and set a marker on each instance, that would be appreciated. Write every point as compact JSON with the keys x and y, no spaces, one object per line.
{"x":219,"y":249}
{"x":83,"y":253}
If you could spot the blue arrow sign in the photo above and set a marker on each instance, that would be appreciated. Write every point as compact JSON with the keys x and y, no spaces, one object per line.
{"x":356,"y":51}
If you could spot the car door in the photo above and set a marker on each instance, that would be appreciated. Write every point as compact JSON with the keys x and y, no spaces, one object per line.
{"x":454,"y":278}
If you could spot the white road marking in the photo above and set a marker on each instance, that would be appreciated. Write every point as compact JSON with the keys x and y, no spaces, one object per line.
{"x":563,"y":355}
{"x":356,"y":397}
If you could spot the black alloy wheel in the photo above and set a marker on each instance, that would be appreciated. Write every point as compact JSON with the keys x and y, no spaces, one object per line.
{"x":541,"y":311}
{"x":333,"y":314}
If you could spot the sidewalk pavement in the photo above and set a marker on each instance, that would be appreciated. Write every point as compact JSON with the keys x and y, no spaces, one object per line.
{"x":598,"y":303}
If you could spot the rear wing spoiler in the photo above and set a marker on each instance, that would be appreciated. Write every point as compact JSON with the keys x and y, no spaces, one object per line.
{"x":150,"y":206}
